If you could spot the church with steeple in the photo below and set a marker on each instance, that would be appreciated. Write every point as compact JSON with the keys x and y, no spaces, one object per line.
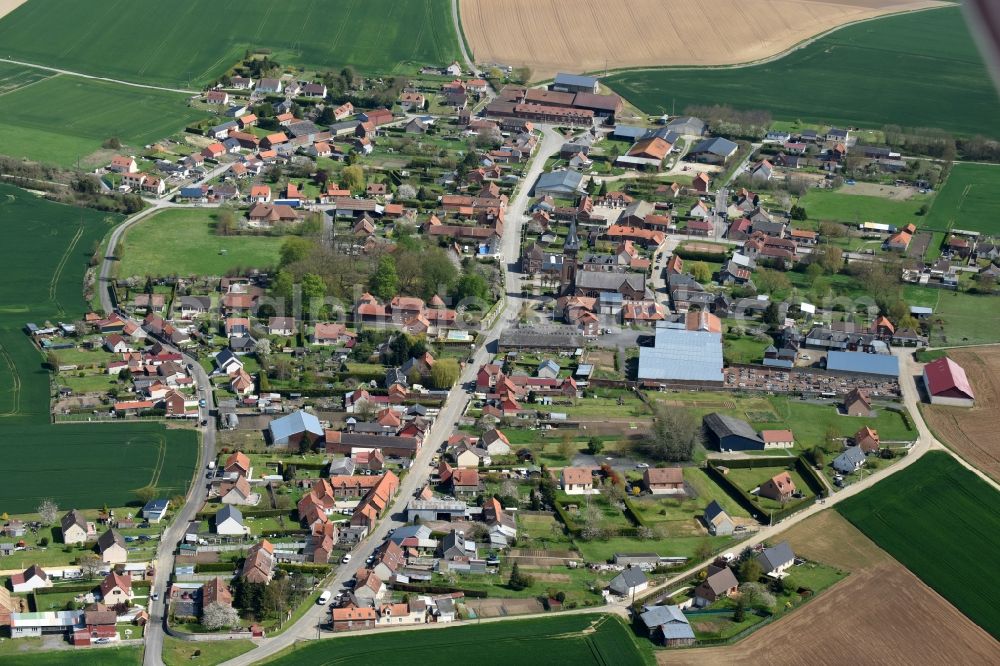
{"x":571,"y":250}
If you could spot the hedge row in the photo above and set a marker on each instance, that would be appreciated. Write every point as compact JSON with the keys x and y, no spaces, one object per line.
{"x":439,"y":589}
{"x":570,"y":524}
{"x":214,"y":567}
{"x":304,"y":568}
{"x":633,"y":515}
{"x":696,"y":255}
{"x":256,"y":513}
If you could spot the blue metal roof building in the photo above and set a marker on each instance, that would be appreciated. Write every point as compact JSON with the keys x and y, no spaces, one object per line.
{"x":293,"y":428}
{"x":574,"y":83}
{"x":681,"y":355}
{"x":869,"y":364}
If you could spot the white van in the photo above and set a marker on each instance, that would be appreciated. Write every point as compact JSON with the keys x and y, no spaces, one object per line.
{"x":324,"y":598}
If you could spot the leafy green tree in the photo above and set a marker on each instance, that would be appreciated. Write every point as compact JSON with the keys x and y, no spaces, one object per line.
{"x":438,"y":271}
{"x":701,"y":272}
{"x":384,"y":282}
{"x":444,"y":373}
{"x":353,"y":178}
{"x":471,"y":285}
{"x":749,"y":570}
{"x":293,"y":249}
{"x":674,"y":435}
{"x":594,"y":446}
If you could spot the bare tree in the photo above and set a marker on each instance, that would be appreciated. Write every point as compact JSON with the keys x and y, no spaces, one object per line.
{"x":89,"y":564}
{"x":48,"y":510}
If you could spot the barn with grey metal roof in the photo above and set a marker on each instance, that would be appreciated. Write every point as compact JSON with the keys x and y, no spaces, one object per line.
{"x":681,"y":355}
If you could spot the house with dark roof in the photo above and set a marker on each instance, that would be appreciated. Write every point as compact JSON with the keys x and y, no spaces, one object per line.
{"x":851,"y":460}
{"x":717,"y":520}
{"x":857,"y":403}
{"x":776,"y":560}
{"x":630,"y":582}
{"x":713,"y":151}
{"x":667,"y":625}
{"x":720,"y":582}
{"x":728,"y":433}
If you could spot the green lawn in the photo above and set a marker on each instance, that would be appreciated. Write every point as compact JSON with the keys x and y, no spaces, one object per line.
{"x":44,"y":255}
{"x":180,"y":43}
{"x":182,"y":242}
{"x":177,"y":652}
{"x":749,"y":478}
{"x":541,"y":642}
{"x":11,"y":655}
{"x":920,"y":56}
{"x":969,"y":200}
{"x":969,"y":319}
{"x":65,"y":118}
{"x":854,"y":209}
{"x":943,"y":523}
{"x":604,"y":550}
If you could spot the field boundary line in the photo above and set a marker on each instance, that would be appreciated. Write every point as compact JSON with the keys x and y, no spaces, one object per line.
{"x":81,"y":75}
{"x":27,"y":85}
{"x":15,"y":390}
{"x":54,"y":282}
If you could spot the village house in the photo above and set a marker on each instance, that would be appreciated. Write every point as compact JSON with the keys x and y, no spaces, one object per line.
{"x":720,"y":582}
{"x":576,"y":480}
{"x":779,"y":488}
{"x":664,"y":480}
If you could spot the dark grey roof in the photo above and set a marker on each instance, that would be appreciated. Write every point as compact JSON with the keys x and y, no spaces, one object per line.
{"x":572,"y":240}
{"x":851,"y":457}
{"x":772,"y":558}
{"x":722,"y":580}
{"x":723,"y":425}
{"x":604,"y":281}
{"x":669,"y":619}
{"x":575,"y":80}
{"x":226,"y":512}
{"x":713,"y":510}
{"x":626,"y":580}
{"x":716,"y":145}
{"x":108,"y":539}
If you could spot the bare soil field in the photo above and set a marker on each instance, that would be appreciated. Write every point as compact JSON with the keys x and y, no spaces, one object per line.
{"x":504,"y":607}
{"x":7,"y":6}
{"x":893,"y":192}
{"x":592,"y":35}
{"x":889,"y":614}
{"x":973,"y":433}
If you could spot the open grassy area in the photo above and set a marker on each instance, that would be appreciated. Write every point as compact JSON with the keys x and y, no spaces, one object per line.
{"x":749,"y":478}
{"x":181,"y":43}
{"x":943,"y":523}
{"x":559,"y":639}
{"x":19,"y":653}
{"x":85,"y":465}
{"x":920,"y":56}
{"x":61,"y":119}
{"x":177,"y":652}
{"x":854,"y":209}
{"x":966,"y":319}
{"x":182,"y":242}
{"x":969,"y":200}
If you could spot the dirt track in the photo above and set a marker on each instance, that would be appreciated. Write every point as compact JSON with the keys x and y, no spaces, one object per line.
{"x":880,"y":614}
{"x":973,"y":433}
{"x":593,"y":35}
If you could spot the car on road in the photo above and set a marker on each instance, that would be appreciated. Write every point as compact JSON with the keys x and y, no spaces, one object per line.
{"x":202,"y":403}
{"x":324,"y":598}
{"x":642,"y":465}
{"x":346,"y":558}
{"x":154,"y":596}
{"x":204,"y":422}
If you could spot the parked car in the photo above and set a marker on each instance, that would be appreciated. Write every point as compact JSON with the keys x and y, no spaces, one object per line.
{"x":346,"y":558}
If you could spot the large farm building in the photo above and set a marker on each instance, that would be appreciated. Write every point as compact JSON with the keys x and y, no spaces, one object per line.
{"x":947,"y":384}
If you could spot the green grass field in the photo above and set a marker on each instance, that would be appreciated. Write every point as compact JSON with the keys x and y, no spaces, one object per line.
{"x":969,"y":200}
{"x":177,"y":652}
{"x":868,"y":75}
{"x":854,"y":209}
{"x":555,"y":640}
{"x":182,"y":242}
{"x":44,"y":255}
{"x":60,"y":119}
{"x":127,"y":656}
{"x":943,"y":523}
{"x":188,"y":43}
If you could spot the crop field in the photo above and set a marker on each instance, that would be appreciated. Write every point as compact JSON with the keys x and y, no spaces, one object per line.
{"x":44,"y":256}
{"x":567,"y":35}
{"x":188,"y":43}
{"x":182,"y":242}
{"x":921,"y":56}
{"x":943,"y":523}
{"x":568,"y":639}
{"x":972,"y":433}
{"x":60,"y":119}
{"x":969,"y":200}
{"x":827,"y":205}
{"x":894,"y":618}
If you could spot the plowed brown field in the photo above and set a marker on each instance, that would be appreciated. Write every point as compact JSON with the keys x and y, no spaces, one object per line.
{"x":590,"y":35}
{"x":973,"y":433}
{"x":880,"y":614}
